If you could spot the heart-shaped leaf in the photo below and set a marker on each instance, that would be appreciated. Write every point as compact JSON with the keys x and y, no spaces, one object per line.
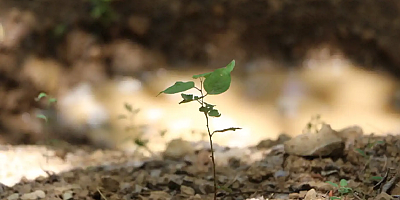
{"x":178,"y":87}
{"x":219,"y":80}
{"x":187,"y":98}
{"x":214,"y":113}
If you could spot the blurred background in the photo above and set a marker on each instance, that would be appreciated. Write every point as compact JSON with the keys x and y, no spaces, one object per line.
{"x":295,"y":61}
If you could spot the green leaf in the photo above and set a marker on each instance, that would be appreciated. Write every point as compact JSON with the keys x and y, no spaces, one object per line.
{"x":41,"y":116}
{"x":52,"y":100}
{"x":40,"y":96}
{"x":343,"y":183}
{"x":334,"y":198}
{"x":178,"y":87}
{"x":163,"y":132}
{"x":204,"y":109}
{"x":344,"y":190}
{"x":205,"y":75}
{"x":231,"y":65}
{"x":128,"y":107}
{"x":214,"y":113}
{"x":140,"y":142}
{"x":361,"y":152}
{"x":332,"y":183}
{"x":224,"y":188}
{"x":219,"y":80}
{"x":59,"y":29}
{"x":186,"y":98}
{"x":226,"y":129}
{"x":209,"y":106}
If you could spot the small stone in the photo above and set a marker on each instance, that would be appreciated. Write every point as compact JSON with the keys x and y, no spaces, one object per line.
{"x":196,"y":197}
{"x":110,"y":183}
{"x":177,"y":149}
{"x":155,"y":173}
{"x":38,"y":194}
{"x":137,"y":189}
{"x":141,"y":177}
{"x":187,"y":190}
{"x":82,"y":194}
{"x":188,"y":180}
{"x":325,"y":142}
{"x":14,"y":196}
{"x":294,"y":195}
{"x":159,"y":195}
{"x":2,"y":188}
{"x":174,"y":183}
{"x":311,"y":194}
{"x":68,"y":195}
{"x":203,"y":187}
{"x":383,"y":196}
{"x":235,"y":185}
{"x":25,"y":189}
{"x":124,"y":186}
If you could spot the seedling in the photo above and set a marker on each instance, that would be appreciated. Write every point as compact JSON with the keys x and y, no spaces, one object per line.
{"x":60,"y":30}
{"x":50,"y":102}
{"x":131,"y":112}
{"x":342,"y":188}
{"x":369,"y":146}
{"x":211,"y":83}
{"x":314,"y":125}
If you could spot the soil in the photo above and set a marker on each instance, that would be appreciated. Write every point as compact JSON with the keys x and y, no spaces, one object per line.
{"x":51,"y":46}
{"x":262,"y":172}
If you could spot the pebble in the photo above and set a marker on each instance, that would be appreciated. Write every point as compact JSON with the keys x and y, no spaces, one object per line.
{"x":187,"y":190}
{"x":294,"y":195}
{"x":38,"y":194}
{"x":68,"y":195}
{"x":311,"y":194}
{"x":14,"y":196}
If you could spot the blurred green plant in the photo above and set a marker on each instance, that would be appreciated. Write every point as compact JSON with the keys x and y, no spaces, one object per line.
{"x":50,"y":102}
{"x":137,"y":138}
{"x":314,"y":125}
{"x":60,"y":30}
{"x":211,"y":83}
{"x":342,"y":188}
{"x":102,"y":10}
{"x":370,"y":146}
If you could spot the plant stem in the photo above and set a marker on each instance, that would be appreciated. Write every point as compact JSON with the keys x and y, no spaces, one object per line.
{"x":212,"y":157}
{"x":210,"y":137}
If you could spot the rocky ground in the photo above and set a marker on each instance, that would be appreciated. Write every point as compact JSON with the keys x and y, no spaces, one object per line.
{"x":362,"y":166}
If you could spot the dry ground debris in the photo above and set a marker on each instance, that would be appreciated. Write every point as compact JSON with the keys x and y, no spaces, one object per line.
{"x":368,"y":165}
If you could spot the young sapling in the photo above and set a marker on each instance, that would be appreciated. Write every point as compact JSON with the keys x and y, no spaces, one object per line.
{"x":131,"y":113}
{"x":50,"y":102}
{"x":342,"y":188}
{"x":211,"y":83}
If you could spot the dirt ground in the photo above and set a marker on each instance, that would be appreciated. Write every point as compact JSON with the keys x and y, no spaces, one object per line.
{"x":269,"y":171}
{"x":53,"y":46}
